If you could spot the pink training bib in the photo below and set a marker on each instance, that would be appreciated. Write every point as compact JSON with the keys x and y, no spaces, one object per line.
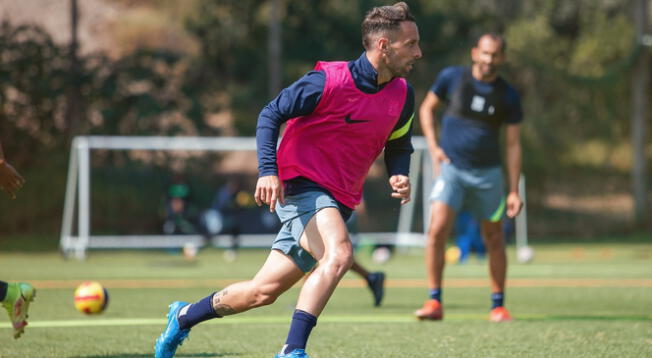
{"x":336,"y":144}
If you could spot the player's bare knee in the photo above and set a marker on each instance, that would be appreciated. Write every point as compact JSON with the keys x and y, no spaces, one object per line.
{"x":339,"y":263}
{"x":347,"y":261}
{"x":344,"y":254}
{"x":343,"y":262}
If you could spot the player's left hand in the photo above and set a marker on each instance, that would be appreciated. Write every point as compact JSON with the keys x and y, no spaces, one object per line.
{"x":401,"y":187}
{"x":514,"y":204}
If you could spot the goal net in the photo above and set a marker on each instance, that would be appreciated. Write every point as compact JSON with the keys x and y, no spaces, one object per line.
{"x":121,"y":189}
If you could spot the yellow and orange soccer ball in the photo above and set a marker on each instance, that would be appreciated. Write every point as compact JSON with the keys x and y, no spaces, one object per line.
{"x":91,"y":298}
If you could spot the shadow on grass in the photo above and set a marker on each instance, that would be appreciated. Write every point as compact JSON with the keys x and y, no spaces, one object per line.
{"x":149,"y":355}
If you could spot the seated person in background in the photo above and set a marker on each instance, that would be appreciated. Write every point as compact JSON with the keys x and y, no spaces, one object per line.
{"x":229,"y":208}
{"x":179,"y":213}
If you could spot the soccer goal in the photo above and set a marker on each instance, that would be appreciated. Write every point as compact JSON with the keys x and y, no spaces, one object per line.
{"x":78,"y":206}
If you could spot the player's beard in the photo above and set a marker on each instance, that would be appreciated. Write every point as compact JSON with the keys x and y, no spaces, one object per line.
{"x":399,"y":70}
{"x":488,"y":70}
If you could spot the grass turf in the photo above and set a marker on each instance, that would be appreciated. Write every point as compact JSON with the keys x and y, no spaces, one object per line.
{"x":591,"y":300}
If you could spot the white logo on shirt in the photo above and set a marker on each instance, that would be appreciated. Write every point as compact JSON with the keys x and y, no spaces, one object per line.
{"x":491,"y":110}
{"x":477,"y":104}
{"x":438,"y":187}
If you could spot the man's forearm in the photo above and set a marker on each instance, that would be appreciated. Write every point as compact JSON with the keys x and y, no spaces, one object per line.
{"x":427,"y":121}
{"x":513,"y":166}
{"x":397,"y":161}
{"x":266,"y":139}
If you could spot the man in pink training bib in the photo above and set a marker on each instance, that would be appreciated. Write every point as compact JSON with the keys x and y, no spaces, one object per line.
{"x":339,"y":117}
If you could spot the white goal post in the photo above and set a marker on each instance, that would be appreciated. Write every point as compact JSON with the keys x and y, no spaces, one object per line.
{"x":78,"y":193}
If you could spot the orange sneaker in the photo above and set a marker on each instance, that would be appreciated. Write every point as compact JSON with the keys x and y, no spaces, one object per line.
{"x":499,"y":314}
{"x":431,"y":310}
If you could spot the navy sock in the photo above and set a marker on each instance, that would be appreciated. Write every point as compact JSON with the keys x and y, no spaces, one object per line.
{"x":3,"y":290}
{"x":497,"y":299}
{"x":366,"y":278}
{"x":300,"y":328}
{"x":435,"y":294}
{"x":199,"y":311}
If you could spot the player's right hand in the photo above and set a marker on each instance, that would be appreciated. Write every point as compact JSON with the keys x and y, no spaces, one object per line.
{"x":269,"y":189}
{"x":10,"y":180}
{"x":438,"y":157}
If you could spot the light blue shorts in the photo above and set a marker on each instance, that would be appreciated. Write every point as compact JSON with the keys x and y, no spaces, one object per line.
{"x":480,"y":191}
{"x":295,"y":215}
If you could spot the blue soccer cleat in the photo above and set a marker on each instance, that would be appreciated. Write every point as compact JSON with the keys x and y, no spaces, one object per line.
{"x":376,"y":281}
{"x":297,"y":353}
{"x":172,"y":337}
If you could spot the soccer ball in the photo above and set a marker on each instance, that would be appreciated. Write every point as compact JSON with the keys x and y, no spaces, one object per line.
{"x":381,"y":255}
{"x":91,"y":298}
{"x":524,"y":254}
{"x":453,"y":255}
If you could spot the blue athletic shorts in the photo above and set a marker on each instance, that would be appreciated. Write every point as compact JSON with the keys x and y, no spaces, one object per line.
{"x":480,"y":191}
{"x":295,"y":215}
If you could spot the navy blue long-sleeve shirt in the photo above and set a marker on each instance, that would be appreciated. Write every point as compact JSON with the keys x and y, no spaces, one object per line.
{"x":302,"y":97}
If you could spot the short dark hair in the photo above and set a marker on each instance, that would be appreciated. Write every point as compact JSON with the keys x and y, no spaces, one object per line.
{"x":496,"y":37}
{"x":384,"y":19}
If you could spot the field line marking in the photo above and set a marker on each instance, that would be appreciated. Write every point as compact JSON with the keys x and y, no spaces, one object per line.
{"x":101,"y":322}
{"x":357,"y":283}
{"x":285,"y":319}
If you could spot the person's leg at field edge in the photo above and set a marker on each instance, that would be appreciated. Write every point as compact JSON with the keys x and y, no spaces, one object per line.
{"x":359,"y":269}
{"x":494,"y":240}
{"x":441,"y":221}
{"x":15,"y":298}
{"x":375,"y":281}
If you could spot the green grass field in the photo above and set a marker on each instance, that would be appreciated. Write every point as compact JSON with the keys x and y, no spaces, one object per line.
{"x":593,"y":300}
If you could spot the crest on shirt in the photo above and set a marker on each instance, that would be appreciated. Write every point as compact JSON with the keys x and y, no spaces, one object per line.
{"x":477,"y":103}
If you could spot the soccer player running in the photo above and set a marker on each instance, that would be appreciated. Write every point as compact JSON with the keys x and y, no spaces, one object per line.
{"x":467,"y":164}
{"x":339,"y":118}
{"x":15,"y":297}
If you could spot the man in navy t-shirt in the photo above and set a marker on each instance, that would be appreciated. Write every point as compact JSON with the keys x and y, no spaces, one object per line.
{"x":467,"y":164}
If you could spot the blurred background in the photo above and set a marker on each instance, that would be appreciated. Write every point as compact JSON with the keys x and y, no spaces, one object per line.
{"x":207,"y":67}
